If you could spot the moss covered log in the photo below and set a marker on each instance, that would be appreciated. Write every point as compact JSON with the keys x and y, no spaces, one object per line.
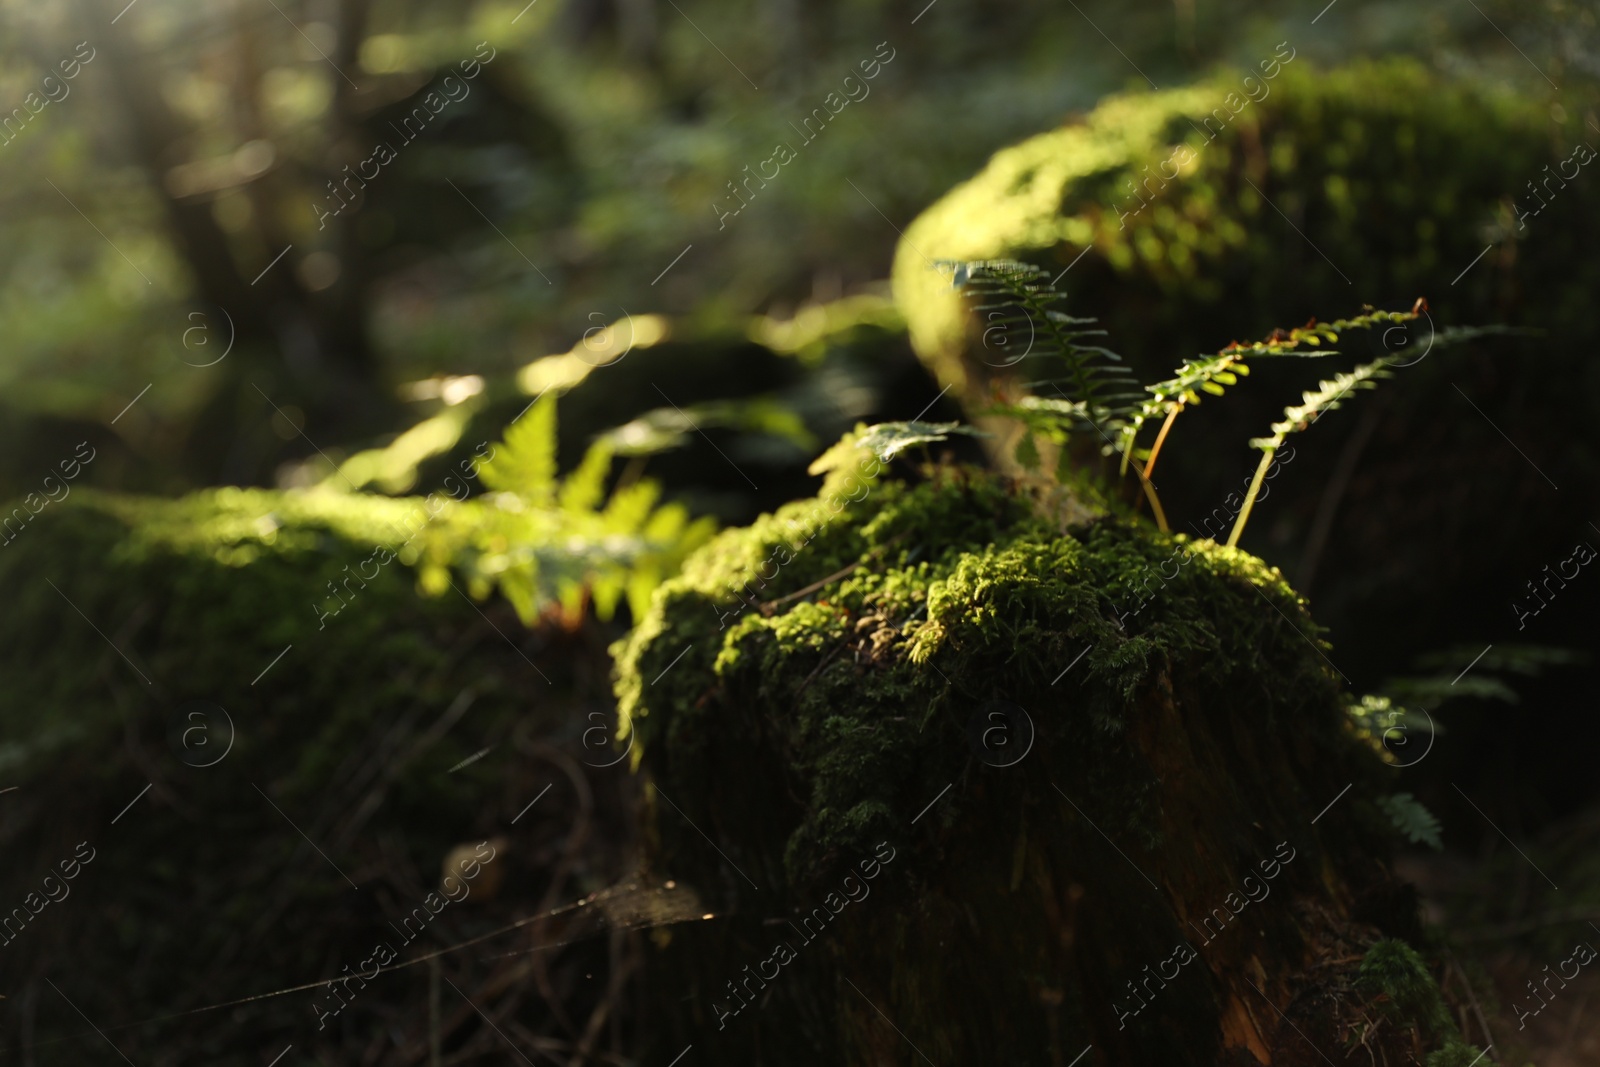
{"x":824,"y":701}
{"x":386,"y":725}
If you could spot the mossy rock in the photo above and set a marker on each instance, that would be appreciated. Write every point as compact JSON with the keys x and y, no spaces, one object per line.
{"x":764,"y":394}
{"x":368,"y":734}
{"x":1392,"y":179}
{"x":819,"y":690}
{"x":1373,"y":184}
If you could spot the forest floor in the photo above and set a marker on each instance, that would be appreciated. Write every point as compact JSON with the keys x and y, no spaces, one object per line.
{"x":1557,"y":1030}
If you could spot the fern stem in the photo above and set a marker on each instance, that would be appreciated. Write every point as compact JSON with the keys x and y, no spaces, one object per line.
{"x":1155,"y":449}
{"x":1155,"y":501}
{"x":1250,"y":497}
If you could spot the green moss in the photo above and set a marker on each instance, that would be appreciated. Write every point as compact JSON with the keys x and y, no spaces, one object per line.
{"x":1458,"y":1054}
{"x":360,"y":733}
{"x":201,"y":592}
{"x":937,"y":598}
{"x":1397,"y":977}
{"x":1424,"y":165}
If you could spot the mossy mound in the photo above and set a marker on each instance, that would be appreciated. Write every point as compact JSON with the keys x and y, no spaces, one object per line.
{"x":1203,"y":216}
{"x":766,"y":392}
{"x":1394,"y":178}
{"x":388,"y":732}
{"x":1179,"y":724}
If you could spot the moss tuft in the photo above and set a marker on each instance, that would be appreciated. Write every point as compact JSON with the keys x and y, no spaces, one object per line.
{"x":1396,"y":975}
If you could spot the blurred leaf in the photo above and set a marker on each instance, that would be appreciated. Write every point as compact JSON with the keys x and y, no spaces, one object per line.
{"x":1027,"y":452}
{"x":1415,"y":822}
{"x":888,"y":439}
{"x":662,"y":429}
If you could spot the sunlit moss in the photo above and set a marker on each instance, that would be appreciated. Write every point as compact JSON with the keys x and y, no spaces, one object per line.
{"x":815,"y":327}
{"x":935,"y":598}
{"x":1418,"y":161}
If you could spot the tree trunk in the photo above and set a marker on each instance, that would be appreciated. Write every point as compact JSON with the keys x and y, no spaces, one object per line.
{"x":301,"y":348}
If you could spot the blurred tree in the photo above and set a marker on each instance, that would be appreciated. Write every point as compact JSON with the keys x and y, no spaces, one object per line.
{"x":301,"y":320}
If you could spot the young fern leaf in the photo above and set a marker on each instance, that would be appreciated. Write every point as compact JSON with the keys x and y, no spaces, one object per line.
{"x":1326,"y":397}
{"x":525,"y":463}
{"x":1101,"y":394}
{"x":585,"y":487}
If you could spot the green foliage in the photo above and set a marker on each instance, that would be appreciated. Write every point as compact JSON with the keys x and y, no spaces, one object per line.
{"x":1381,"y":721}
{"x":1326,"y":397}
{"x":542,"y":540}
{"x":1439,"y":676}
{"x":1416,"y":823}
{"x":1022,"y":297}
{"x":1458,"y":1054}
{"x":1097,"y":391}
{"x":525,"y":461}
{"x":1095,"y":394}
{"x":1313,"y":405}
{"x":1213,"y":373}
{"x":1391,"y":716}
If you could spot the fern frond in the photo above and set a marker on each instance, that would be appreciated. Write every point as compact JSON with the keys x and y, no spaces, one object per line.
{"x":525,"y":462}
{"x":1414,"y":822}
{"x":1530,"y":660}
{"x":1381,"y":722}
{"x":1437,"y":677}
{"x":1100,"y":393}
{"x":585,"y":487}
{"x":1328,"y":396}
{"x":543,"y":540}
{"x":1019,"y":295}
{"x":1213,"y":373}
{"x":1314,"y":404}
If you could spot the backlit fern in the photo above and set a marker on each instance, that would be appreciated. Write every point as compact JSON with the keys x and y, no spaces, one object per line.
{"x":1094,"y":391}
{"x":541,"y":539}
